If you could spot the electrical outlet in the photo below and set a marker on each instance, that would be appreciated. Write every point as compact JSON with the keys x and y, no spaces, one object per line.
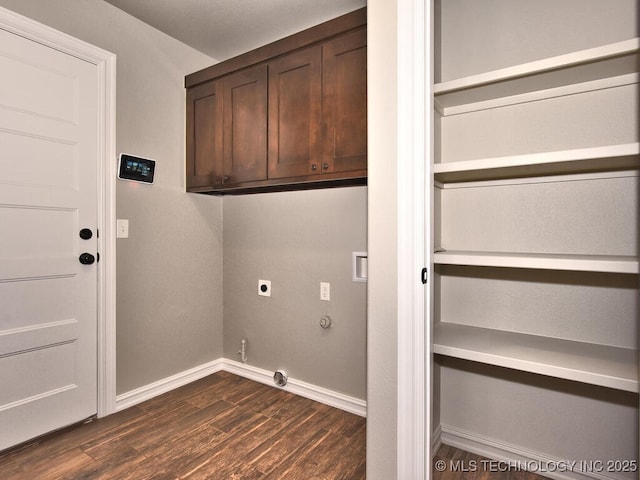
{"x":325,"y":291}
{"x":122,"y":228}
{"x":264,"y":288}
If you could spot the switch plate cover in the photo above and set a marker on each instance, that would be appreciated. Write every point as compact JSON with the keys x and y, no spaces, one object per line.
{"x":122,"y":228}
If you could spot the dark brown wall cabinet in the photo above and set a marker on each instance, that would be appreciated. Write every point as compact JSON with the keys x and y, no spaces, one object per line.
{"x":290,"y":115}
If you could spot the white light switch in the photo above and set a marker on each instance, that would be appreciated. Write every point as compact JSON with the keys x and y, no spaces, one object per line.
{"x":325,"y":291}
{"x":122,"y":228}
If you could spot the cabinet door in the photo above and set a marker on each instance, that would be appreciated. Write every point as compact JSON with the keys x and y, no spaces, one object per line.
{"x":295,"y":95}
{"x":204,"y":135}
{"x":245,"y":125}
{"x":344,"y":103}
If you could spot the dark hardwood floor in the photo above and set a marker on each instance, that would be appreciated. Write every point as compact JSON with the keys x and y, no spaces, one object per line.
{"x":217,"y":428}
{"x":220,"y":427}
{"x":451,"y":463}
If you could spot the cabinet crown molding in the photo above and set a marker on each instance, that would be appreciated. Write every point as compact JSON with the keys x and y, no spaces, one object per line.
{"x":316,"y":34}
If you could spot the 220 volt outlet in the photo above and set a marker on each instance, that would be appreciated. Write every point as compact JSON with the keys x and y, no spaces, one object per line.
{"x":264,"y":288}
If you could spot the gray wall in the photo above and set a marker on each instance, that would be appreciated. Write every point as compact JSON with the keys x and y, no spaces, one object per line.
{"x":574,"y":25}
{"x":533,"y":413}
{"x":297,"y":240}
{"x":169,"y":271}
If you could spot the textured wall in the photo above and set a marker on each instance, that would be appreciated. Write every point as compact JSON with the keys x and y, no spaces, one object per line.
{"x":572,"y":25}
{"x":297,"y":240}
{"x":169,"y":292}
{"x":532,"y":413}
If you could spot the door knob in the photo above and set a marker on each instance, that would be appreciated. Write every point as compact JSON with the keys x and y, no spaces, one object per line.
{"x":86,"y":258}
{"x":86,"y":233}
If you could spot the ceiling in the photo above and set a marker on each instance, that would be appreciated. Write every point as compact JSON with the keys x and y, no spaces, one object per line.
{"x":226,"y":28}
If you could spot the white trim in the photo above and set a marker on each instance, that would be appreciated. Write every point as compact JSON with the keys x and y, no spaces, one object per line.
{"x":540,"y":95}
{"x":544,"y":261}
{"x":559,"y":178}
{"x":590,"y":363}
{"x":539,"y":66}
{"x":107,"y":245}
{"x":436,"y":440}
{"x":515,"y":455}
{"x":413,"y":447}
{"x":298,"y":387}
{"x":106,"y":68}
{"x":165,"y":385}
{"x":543,"y":159}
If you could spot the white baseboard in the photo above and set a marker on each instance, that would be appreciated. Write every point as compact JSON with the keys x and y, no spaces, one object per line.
{"x":545,"y":465}
{"x":297,"y":387}
{"x":436,"y":440}
{"x":165,"y":385}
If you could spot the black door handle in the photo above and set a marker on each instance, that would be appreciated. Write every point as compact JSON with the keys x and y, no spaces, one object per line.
{"x":86,"y":258}
{"x":86,"y":233}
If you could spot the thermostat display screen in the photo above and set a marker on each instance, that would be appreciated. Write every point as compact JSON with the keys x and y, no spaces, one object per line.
{"x":136,"y":168}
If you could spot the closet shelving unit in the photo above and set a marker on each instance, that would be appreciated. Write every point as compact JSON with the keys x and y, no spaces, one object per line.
{"x":582,"y":72}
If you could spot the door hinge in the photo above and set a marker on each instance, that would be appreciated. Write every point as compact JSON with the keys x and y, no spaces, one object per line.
{"x":424,"y":275}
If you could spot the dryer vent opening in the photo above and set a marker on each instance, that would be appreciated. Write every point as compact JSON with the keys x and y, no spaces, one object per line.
{"x":280,"y":378}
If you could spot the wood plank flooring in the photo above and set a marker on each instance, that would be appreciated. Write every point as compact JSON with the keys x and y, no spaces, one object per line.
{"x":451,"y":463}
{"x":220,"y":427}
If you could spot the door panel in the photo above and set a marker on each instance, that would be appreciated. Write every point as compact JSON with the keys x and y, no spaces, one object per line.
{"x":56,"y":375}
{"x":345,"y":102}
{"x":22,"y":312}
{"x":37,"y":160}
{"x":22,"y":82}
{"x":295,"y":96}
{"x":204,"y":135}
{"x":48,"y":192}
{"x":245,"y":125}
{"x":37,"y":229}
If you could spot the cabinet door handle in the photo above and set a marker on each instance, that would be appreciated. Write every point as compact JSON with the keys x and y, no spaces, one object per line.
{"x":225,"y":179}
{"x":314,"y":167}
{"x":325,"y":166}
{"x":218,"y":180}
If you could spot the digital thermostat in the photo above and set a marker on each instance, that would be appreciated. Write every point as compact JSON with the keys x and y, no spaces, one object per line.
{"x":136,"y":168}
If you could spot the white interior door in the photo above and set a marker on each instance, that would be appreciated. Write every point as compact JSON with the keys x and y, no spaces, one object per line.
{"x":48,"y":193}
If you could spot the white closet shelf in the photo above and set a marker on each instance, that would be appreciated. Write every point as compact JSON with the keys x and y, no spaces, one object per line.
{"x":545,"y":261}
{"x":602,"y":365}
{"x":604,"y":63}
{"x":581,"y":160}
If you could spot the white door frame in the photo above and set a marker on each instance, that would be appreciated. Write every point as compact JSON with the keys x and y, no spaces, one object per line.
{"x":106,"y":308}
{"x":415,"y":147}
